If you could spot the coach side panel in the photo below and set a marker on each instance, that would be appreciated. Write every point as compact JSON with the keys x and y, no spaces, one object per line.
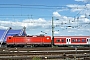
{"x":60,"y":41}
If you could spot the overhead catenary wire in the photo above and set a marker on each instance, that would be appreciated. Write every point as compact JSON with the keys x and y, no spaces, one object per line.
{"x":80,"y":12}
{"x":32,"y":5}
{"x":36,"y":6}
{"x":29,"y":6}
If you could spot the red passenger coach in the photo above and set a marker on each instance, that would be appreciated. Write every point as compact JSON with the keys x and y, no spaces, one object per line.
{"x":72,"y":40}
{"x":79,"y":40}
{"x":59,"y":40}
{"x":29,"y":40}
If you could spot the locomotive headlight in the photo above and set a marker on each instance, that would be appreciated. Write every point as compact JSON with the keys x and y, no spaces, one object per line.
{"x":47,"y":38}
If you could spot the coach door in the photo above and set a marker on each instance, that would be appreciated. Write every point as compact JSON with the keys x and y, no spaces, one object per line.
{"x":89,"y":41}
{"x":68,"y":41}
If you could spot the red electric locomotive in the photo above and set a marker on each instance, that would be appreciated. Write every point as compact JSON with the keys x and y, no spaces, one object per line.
{"x":28,"y":41}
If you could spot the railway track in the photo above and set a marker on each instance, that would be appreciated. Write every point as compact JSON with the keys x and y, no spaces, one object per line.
{"x":47,"y":48}
{"x":43,"y":53}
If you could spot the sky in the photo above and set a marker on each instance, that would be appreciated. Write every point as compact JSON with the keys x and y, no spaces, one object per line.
{"x":70,"y":17}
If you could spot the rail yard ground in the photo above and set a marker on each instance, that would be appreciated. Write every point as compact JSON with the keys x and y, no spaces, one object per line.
{"x":45,"y":53}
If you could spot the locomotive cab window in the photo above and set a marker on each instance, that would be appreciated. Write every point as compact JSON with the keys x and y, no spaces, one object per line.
{"x":9,"y":37}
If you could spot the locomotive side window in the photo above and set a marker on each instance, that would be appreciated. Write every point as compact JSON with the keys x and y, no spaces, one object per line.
{"x":57,"y":40}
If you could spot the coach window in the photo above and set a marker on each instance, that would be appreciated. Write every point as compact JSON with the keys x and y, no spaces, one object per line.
{"x":78,"y":40}
{"x":83,"y":40}
{"x":58,"y":40}
{"x":73,"y":40}
{"x":62,"y":40}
